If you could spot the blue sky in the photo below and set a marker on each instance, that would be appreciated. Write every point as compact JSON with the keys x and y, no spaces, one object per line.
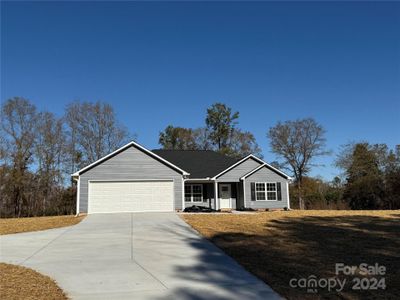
{"x":164,"y":63}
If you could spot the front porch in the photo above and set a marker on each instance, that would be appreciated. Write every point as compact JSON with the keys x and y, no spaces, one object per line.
{"x":229,"y":195}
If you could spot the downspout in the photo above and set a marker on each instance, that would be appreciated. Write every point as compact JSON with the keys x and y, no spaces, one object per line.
{"x":287,"y":192}
{"x":78,"y":194}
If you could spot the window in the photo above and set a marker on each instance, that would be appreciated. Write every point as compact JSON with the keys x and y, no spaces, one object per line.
{"x":260,"y":191}
{"x":266,"y":191}
{"x":193,"y":193}
{"x":188,"y":193}
{"x":271,"y":191}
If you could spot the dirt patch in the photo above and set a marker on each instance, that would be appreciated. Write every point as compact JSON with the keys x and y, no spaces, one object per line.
{"x":16,"y":225}
{"x":18,"y":283}
{"x":278,"y":246}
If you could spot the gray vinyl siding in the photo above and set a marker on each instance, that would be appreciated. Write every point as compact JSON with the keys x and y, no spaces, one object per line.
{"x":266,"y":175}
{"x":239,"y":171}
{"x":130,"y":164}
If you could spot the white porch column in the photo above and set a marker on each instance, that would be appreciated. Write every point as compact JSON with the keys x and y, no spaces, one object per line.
{"x":216,"y":195}
{"x":287,"y":192}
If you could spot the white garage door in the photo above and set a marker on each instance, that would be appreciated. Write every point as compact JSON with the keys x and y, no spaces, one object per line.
{"x":129,"y":196}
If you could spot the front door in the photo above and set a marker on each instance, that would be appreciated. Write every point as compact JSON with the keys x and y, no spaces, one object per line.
{"x":225,"y":195}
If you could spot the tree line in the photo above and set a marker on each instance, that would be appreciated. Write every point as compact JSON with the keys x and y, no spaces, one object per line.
{"x":39,"y":151}
{"x":219,"y":133}
{"x":370,"y":173}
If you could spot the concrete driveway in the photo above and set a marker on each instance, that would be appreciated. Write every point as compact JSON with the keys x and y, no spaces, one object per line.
{"x":133,"y":256}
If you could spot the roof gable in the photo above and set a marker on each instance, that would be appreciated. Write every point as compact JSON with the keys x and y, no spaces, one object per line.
{"x":268,"y":166}
{"x":251,"y":156}
{"x":123,"y":148}
{"x":239,"y":162}
{"x":238,"y":170}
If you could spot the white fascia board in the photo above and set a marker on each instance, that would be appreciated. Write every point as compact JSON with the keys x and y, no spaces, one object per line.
{"x":253,"y":171}
{"x":266,"y":165}
{"x":199,"y":179}
{"x":234,"y":165}
{"x":278,"y":171}
{"x":244,"y":159}
{"x":132,"y":143}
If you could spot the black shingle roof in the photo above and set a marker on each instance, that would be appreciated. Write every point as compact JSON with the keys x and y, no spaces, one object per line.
{"x":199,"y":163}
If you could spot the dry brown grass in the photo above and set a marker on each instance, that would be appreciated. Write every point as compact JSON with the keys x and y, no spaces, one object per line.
{"x":17,"y":283}
{"x":16,"y":225}
{"x":277,"y":246}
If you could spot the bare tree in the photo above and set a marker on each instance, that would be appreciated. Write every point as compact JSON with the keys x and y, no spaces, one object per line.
{"x":18,"y":132}
{"x":243,"y":143}
{"x":50,"y":151}
{"x":34,"y":148}
{"x":93,"y":131}
{"x":202,"y":139}
{"x":72,"y":121}
{"x":296,"y":143}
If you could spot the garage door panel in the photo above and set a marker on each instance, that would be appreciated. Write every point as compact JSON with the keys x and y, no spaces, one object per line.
{"x":130,"y":196}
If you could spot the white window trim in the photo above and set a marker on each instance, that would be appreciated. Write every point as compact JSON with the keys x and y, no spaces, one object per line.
{"x":191,"y":193}
{"x":266,"y":191}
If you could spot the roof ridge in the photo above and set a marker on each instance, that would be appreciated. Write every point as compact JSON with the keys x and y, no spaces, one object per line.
{"x":183,"y":150}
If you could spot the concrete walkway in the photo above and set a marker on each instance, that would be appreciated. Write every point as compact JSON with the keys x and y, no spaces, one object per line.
{"x":133,"y":256}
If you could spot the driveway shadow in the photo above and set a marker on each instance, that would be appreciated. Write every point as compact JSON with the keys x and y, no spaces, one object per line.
{"x":215,"y":275}
{"x":297,"y":247}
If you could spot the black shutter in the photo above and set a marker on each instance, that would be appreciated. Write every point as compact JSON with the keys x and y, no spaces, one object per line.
{"x":205,"y":196}
{"x":278,"y":190}
{"x":253,"y":191}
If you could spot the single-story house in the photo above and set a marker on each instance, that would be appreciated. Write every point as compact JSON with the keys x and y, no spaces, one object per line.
{"x":135,"y":179}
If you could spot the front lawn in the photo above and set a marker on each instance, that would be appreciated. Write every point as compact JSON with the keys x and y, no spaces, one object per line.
{"x":17,"y":283}
{"x":16,"y":225}
{"x":279,"y":246}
